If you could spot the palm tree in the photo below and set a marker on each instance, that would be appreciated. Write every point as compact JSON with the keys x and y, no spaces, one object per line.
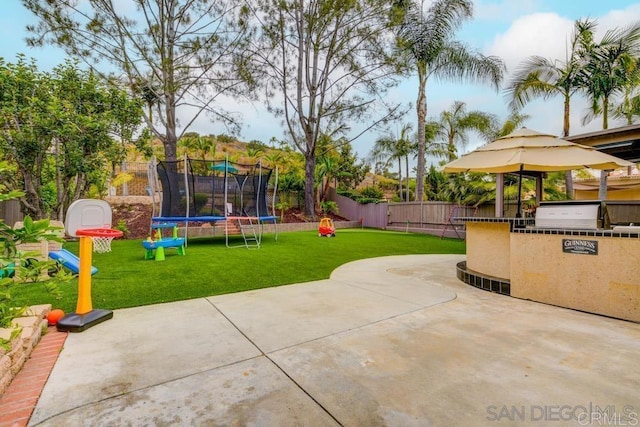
{"x":513,"y":122}
{"x":425,"y":38}
{"x":199,"y":145}
{"x":254,"y":153}
{"x":609,"y":67}
{"x":538,"y":77}
{"x":391,"y":148}
{"x":273,"y":158}
{"x":629,"y":107}
{"x":327,"y":168}
{"x":455,"y":123}
{"x":383,"y":152}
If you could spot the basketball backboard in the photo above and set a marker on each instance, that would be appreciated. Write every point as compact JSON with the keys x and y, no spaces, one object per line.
{"x":87,"y":213}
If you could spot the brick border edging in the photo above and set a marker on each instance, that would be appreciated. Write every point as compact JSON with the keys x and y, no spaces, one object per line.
{"x":20,"y":398}
{"x":33,"y":322}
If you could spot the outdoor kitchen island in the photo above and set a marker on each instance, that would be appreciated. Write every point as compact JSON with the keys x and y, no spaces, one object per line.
{"x":591,"y":269}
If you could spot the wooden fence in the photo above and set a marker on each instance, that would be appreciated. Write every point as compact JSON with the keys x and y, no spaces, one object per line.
{"x":10,"y":212}
{"x":369,"y":215}
{"x":434,"y":217}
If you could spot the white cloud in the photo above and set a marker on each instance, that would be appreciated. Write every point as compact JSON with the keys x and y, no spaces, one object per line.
{"x":548,"y":35}
{"x":619,"y":18}
{"x":542,"y":34}
{"x":504,"y":10}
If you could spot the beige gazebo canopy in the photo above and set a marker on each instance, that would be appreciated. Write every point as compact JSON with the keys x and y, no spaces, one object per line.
{"x":526,"y":150}
{"x":529,"y":150}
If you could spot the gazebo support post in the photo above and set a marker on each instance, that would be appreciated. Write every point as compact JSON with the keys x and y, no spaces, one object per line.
{"x":539,"y":188}
{"x":499,"y":195}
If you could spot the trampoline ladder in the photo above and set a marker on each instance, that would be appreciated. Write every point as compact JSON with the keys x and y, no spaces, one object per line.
{"x":248,"y":231}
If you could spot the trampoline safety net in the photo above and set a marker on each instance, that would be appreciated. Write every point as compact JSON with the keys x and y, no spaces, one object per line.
{"x":213,"y":188}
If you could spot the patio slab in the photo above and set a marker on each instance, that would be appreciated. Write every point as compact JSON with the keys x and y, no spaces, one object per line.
{"x":424,"y":349}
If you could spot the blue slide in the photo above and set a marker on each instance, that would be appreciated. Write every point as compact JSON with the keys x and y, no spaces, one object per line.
{"x":69,"y":260}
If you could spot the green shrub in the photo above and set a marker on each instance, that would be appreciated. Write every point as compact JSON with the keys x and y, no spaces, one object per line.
{"x":329,"y":206}
{"x":122,"y":226}
{"x":347,"y":192}
{"x":372,"y":193}
{"x":403,"y":196}
{"x":13,"y":261}
{"x":387,"y":183}
{"x":200,"y":200}
{"x":367,"y":200}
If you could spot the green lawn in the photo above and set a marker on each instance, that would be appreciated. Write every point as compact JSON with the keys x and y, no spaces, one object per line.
{"x":126,"y":279}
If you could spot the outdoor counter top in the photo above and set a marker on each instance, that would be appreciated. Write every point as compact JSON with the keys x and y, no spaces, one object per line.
{"x":515,"y":222}
{"x":527,"y":225}
{"x":591,"y":270}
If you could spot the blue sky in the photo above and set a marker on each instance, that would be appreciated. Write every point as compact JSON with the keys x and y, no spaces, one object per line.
{"x":511,"y":29}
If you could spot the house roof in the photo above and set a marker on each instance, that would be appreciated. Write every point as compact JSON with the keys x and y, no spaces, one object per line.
{"x":622,"y":142}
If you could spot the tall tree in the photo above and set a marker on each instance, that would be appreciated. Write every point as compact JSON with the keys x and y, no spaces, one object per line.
{"x":608,"y":68}
{"x":67,"y":118}
{"x":388,"y":148}
{"x":323,"y":64}
{"x":538,"y":77}
{"x":629,"y":106}
{"x":173,"y":53}
{"x":456,"y":122}
{"x":514,"y":121}
{"x":425,"y":38}
{"x":383,"y":153}
{"x":352,"y":170}
{"x":199,"y":145}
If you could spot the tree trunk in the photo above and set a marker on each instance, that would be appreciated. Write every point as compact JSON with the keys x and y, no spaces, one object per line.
{"x":568,"y":176}
{"x":170,"y":139}
{"x":421,"y":109}
{"x":309,"y":171}
{"x":451,"y":147}
{"x":406,"y":164}
{"x":31,"y":200}
{"x":602,"y":188}
{"x":401,"y":194}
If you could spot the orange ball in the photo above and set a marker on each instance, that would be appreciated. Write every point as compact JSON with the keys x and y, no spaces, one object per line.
{"x":54,"y":316}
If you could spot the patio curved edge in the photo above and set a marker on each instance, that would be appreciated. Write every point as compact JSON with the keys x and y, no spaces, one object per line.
{"x":357,"y":294}
{"x":126,"y":364}
{"x":425,"y":280}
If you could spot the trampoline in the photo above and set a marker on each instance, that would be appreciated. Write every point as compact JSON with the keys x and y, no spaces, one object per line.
{"x":211,"y":191}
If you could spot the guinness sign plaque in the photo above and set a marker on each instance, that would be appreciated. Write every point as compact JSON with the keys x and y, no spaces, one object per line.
{"x":582,"y":247}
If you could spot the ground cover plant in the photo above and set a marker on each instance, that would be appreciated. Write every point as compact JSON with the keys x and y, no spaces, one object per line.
{"x":126,"y":279}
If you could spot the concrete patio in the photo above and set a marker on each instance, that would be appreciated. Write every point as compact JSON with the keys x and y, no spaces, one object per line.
{"x":388,"y":341}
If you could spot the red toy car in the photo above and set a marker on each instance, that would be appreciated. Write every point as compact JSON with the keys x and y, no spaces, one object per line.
{"x":326,"y":228}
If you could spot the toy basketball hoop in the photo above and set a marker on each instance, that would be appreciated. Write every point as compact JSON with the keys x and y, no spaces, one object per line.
{"x":90,"y":220}
{"x":91,"y":214}
{"x":101,"y":238}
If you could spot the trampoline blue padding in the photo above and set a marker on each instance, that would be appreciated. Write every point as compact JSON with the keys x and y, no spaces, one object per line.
{"x":194,"y":191}
{"x":205,"y":218}
{"x":208,"y":218}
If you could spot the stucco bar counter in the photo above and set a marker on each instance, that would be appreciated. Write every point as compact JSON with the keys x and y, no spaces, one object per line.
{"x":596,"y":271}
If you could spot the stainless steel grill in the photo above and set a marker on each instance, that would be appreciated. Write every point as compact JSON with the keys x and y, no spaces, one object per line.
{"x":573,"y":214}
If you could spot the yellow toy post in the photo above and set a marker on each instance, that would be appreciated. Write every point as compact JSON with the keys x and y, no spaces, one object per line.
{"x":84,"y":304}
{"x":85,"y":316}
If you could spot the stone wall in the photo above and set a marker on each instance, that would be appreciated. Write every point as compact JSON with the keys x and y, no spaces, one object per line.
{"x":33,"y":323}
{"x":208,"y":230}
